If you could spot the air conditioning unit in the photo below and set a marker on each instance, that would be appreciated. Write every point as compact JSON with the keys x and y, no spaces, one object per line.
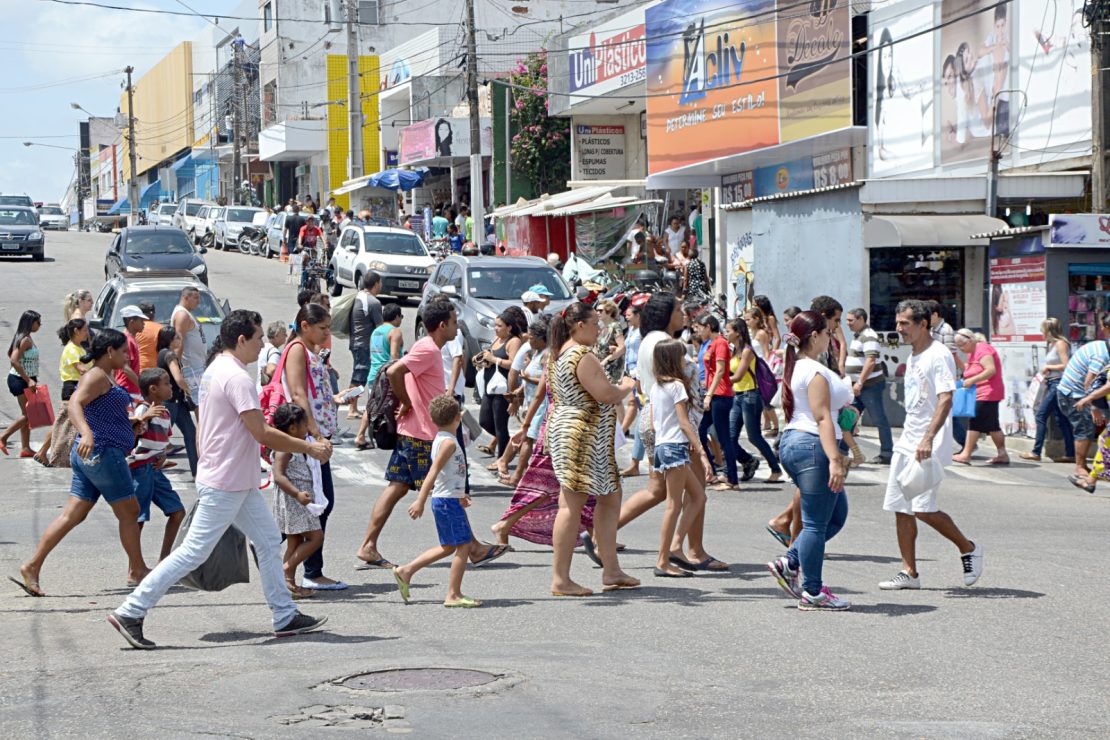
{"x":368,"y":12}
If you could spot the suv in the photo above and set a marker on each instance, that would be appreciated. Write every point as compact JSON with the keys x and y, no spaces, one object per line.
{"x":185,"y":217}
{"x":483,"y":287}
{"x":397,"y":255}
{"x":163,"y":289}
{"x":20,"y":232}
{"x":23,"y":201}
{"x":51,"y":216}
{"x":229,"y":224}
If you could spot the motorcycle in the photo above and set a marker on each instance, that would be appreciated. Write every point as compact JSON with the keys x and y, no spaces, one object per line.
{"x":251,"y":240}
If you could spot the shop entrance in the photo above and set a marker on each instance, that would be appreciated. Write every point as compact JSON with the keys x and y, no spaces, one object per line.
{"x":919,"y":273}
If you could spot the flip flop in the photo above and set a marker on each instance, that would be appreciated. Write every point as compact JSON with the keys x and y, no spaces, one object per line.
{"x":961,"y":462}
{"x":363,"y":446}
{"x":28,"y":588}
{"x":707,"y":565}
{"x":1075,"y":480}
{"x":591,"y":549}
{"x":494,"y":552}
{"x":682,"y":563}
{"x":575,"y":595}
{"x":4,"y":448}
{"x":372,"y":564}
{"x":24,"y":454}
{"x":624,"y":583}
{"x":660,"y":573}
{"x":998,"y":461}
{"x":337,"y":586}
{"x":784,"y":539}
{"x":402,"y":586}
{"x":464,"y":603}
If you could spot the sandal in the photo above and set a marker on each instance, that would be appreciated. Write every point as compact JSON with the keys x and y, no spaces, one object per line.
{"x":31,"y":588}
{"x":622,"y":584}
{"x":494,"y":552}
{"x":1076,"y":480}
{"x":463,"y":603}
{"x":1030,"y":456}
{"x":999,"y":460}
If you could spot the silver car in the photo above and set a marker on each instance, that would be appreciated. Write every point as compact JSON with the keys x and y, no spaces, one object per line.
{"x":53,"y":217}
{"x":229,"y":225}
{"x":483,"y":287}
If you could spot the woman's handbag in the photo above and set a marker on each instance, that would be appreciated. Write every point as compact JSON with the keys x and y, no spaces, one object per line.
{"x":963,"y":402}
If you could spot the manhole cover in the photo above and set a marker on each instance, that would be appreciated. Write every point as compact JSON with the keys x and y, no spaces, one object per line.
{"x":418,"y":679}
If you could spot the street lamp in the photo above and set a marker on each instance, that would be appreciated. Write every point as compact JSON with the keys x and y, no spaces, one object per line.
{"x":52,"y":146}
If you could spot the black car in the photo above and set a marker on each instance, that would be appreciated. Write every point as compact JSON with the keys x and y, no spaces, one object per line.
{"x":143,"y":248}
{"x":20,"y":232}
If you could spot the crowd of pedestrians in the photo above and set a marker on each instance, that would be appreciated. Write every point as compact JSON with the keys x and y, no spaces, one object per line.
{"x":681,"y":384}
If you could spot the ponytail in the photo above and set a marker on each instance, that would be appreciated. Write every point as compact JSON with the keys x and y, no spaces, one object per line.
{"x":215,"y":350}
{"x":802,"y":328}
{"x":71,"y":327}
{"x":563,"y":324}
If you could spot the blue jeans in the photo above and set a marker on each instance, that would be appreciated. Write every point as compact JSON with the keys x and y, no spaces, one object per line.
{"x":182,"y":418}
{"x":823,"y":511}
{"x":638,"y":450}
{"x":717,"y":417}
{"x":870,"y":399}
{"x":747,"y":412}
{"x":314,"y":564}
{"x":1049,"y":405}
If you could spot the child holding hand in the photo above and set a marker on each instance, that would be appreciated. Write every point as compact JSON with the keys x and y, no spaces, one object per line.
{"x":446,"y":483}
{"x":148,"y":460}
{"x":294,"y":492}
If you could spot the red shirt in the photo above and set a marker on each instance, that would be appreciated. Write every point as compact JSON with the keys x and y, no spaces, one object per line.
{"x":309,"y":235}
{"x":718,"y":351}
{"x":133,"y":361}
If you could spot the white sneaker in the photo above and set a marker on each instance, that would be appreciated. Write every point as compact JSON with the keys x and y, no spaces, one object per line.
{"x":973,"y":565}
{"x":826,"y":601}
{"x":900,"y":582}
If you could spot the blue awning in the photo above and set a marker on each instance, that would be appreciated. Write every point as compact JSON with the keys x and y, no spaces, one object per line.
{"x":150,"y":194}
{"x":118,"y":206}
{"x":185,"y":161}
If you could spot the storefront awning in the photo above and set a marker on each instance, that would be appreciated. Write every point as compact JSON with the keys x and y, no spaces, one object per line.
{"x":604,"y":203}
{"x":150,"y":194}
{"x":546,"y":205}
{"x":928,"y":231}
{"x":118,"y":207}
{"x":186,"y":161}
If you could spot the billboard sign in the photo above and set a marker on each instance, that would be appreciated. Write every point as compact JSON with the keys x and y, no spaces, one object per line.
{"x":599,"y":152}
{"x":732,"y":79}
{"x":441,"y":138}
{"x":1018,"y":298}
{"x":611,"y":56}
{"x":1079,"y":230}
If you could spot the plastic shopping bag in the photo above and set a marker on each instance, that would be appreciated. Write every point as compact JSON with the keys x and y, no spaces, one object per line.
{"x":963,"y":402}
{"x":227,"y":565}
{"x":40,"y":412}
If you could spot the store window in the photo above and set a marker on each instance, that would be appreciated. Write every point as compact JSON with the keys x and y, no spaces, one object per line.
{"x":1088,"y":298}
{"x":899,"y":274}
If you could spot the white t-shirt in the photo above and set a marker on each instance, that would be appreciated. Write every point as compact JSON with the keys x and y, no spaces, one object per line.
{"x":645,"y":363}
{"x":840,"y":395}
{"x":664,"y":412}
{"x":450,"y":351}
{"x":451,"y":481}
{"x":674,"y":239}
{"x":269,"y":353}
{"x":927,"y":374}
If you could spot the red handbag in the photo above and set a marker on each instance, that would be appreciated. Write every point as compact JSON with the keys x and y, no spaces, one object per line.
{"x":39,"y":411}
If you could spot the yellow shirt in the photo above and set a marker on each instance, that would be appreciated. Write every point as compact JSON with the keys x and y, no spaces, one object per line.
{"x":747,"y":383}
{"x":71,"y":355}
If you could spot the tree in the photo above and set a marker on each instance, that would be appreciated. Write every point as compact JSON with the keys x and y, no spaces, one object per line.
{"x":541,"y":148}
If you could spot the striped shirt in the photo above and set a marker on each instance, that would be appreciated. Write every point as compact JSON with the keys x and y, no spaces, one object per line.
{"x":863,"y":345}
{"x":1092,"y":357}
{"x":945,"y":334}
{"x":154,"y":441}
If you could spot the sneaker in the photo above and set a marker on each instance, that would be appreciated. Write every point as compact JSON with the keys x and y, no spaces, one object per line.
{"x":880,"y":460}
{"x":750,"y":467}
{"x":973,"y":565}
{"x":785,"y":577}
{"x":132,"y":631}
{"x":299,"y":624}
{"x":901,"y":582}
{"x":826,"y":601}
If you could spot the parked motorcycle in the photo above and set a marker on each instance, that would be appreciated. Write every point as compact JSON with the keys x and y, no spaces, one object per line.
{"x":251,"y":239}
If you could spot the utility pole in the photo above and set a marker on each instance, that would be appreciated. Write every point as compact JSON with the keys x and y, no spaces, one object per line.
{"x":477,"y":212}
{"x":133,"y":184}
{"x":354,"y":94}
{"x":1098,"y":146}
{"x":237,"y":120}
{"x":77,"y":158}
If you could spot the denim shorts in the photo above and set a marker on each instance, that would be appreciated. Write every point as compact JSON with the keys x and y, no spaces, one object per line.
{"x":105,"y":474}
{"x":361,"y":358}
{"x":152,"y":486}
{"x":452,"y":524}
{"x":1082,"y":425}
{"x":409,"y":462}
{"x":670,"y":455}
{"x":16,"y":384}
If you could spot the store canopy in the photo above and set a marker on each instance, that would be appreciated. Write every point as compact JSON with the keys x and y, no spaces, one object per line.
{"x":186,"y":161}
{"x":928,"y":231}
{"x":119,"y":206}
{"x":150,"y":194}
{"x":546,"y":205}
{"x":395,"y":179}
{"x":604,"y":203}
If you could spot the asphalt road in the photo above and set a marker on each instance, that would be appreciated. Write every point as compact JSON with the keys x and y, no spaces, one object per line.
{"x":1022,"y":654}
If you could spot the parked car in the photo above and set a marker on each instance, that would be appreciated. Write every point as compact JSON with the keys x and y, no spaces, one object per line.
{"x":53,"y":217}
{"x":205,"y":233}
{"x":398,"y":255}
{"x":229,"y":225}
{"x":136,"y":249}
{"x":483,"y":287}
{"x":275,"y":234}
{"x":23,"y":201}
{"x":20,"y":232}
{"x":161,"y":214}
{"x":163,"y":289}
{"x":187,"y":215}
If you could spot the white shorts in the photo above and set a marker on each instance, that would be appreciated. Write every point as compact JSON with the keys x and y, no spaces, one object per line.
{"x":897,"y":501}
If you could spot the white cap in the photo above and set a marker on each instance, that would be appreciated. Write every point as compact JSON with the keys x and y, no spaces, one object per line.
{"x":131,"y":312}
{"x":530,"y":296}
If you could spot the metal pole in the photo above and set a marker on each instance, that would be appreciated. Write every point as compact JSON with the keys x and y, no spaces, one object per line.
{"x":508,"y":147}
{"x":996,"y":157}
{"x":1098,"y":150}
{"x":354,"y":95}
{"x":237,"y":123}
{"x":477,"y":211}
{"x":132,"y":158}
{"x":80,"y":191}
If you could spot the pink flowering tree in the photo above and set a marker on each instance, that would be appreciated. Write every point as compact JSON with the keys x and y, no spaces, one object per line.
{"x":541,"y":146}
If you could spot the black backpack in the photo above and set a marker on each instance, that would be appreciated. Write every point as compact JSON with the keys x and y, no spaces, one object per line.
{"x":381,"y":410}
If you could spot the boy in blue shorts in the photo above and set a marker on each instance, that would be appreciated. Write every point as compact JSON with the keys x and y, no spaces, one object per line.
{"x":446,"y":484}
{"x":149,"y":457}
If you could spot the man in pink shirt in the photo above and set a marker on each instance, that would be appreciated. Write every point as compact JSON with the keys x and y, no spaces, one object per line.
{"x":128,"y":375}
{"x":231,"y":429}
{"x":416,"y":378}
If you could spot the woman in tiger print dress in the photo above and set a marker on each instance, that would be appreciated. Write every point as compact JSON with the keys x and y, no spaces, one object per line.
{"x":580,"y":440}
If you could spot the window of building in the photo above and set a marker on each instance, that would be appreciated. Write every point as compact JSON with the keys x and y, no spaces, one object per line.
{"x":900,"y":273}
{"x":368,"y":12}
{"x":267,"y":17}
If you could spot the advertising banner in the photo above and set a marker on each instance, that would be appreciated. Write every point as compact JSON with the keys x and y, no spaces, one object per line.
{"x":784,"y":178}
{"x":441,"y":138}
{"x":611,"y":56}
{"x":1079,"y":230}
{"x":1018,"y":299}
{"x":418,"y":142}
{"x":1020,"y":363}
{"x":598,"y":152}
{"x":737,"y":188}
{"x":815,"y":93}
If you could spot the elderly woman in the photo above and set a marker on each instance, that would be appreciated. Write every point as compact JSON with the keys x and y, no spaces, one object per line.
{"x":983,"y":372}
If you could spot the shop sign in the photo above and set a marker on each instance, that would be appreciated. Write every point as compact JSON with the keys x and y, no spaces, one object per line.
{"x":749,"y":75}
{"x":784,"y":178}
{"x":391,"y":158}
{"x":441,"y":138}
{"x":737,"y":188}
{"x":599,"y":152}
{"x":1079,"y":230}
{"x":418,"y":142}
{"x":832,"y":168}
{"x":1018,"y":298}
{"x":609,"y":57}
